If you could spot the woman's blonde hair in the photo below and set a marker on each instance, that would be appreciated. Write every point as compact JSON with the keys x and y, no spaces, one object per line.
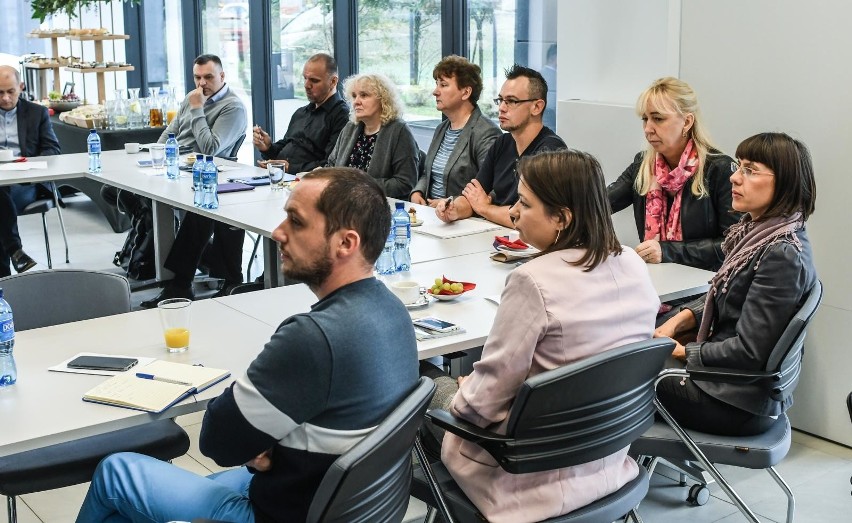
{"x":672,"y":96}
{"x":381,"y":86}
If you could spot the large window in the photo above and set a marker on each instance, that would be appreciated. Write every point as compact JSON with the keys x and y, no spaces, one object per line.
{"x":225,"y":33}
{"x":402,"y":40}
{"x":504,"y":32}
{"x":299,"y":30}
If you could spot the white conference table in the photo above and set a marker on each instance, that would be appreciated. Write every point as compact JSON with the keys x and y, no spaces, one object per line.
{"x":473,"y":310}
{"x":46,"y":407}
{"x":258,"y":211}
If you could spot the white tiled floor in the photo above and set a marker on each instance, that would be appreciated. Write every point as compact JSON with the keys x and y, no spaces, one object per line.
{"x":817,"y":471}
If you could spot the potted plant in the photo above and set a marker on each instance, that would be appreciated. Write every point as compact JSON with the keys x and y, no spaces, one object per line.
{"x":44,"y":8}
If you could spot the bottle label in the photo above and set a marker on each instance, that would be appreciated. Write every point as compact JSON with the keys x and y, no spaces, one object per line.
{"x":7,"y":330}
{"x":95,"y":148}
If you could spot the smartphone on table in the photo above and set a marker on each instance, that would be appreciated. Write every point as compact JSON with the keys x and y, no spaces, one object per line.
{"x":435,"y":325}
{"x":111,"y":363}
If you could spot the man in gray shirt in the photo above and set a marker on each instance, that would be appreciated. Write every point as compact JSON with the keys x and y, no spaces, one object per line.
{"x":210,"y":121}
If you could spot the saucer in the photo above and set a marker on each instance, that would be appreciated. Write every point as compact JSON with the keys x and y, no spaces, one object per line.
{"x":417,"y":223}
{"x":13,"y":160}
{"x":421,"y":302}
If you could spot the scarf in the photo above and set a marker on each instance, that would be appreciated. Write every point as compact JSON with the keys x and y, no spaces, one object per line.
{"x":743,"y":241}
{"x":658,"y":226}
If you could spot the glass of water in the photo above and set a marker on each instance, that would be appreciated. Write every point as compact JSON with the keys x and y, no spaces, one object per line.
{"x":158,"y":157}
{"x":276,"y":172}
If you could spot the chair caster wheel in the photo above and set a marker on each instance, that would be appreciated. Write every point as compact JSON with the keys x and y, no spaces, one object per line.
{"x":699,"y":495}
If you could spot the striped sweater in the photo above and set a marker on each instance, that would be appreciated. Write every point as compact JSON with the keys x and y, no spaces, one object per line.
{"x":320,"y":385}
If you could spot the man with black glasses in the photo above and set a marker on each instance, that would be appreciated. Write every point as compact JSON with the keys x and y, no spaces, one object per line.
{"x":520,"y":104}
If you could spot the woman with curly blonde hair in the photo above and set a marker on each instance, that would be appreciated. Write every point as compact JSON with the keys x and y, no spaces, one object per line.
{"x":377,"y":140}
{"x":679,"y":185}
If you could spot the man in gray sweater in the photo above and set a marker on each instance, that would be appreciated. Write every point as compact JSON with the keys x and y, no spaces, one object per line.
{"x":211,"y":119}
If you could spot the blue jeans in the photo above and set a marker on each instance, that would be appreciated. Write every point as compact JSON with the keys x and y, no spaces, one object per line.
{"x":134,"y":487}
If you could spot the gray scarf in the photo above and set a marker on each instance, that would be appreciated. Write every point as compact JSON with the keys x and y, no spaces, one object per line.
{"x":744,"y":240}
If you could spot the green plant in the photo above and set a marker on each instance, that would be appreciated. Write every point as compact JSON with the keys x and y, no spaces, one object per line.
{"x":44,"y":8}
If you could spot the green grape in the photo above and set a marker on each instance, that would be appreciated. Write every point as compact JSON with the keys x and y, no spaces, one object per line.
{"x":438,"y":282}
{"x":446,"y":286}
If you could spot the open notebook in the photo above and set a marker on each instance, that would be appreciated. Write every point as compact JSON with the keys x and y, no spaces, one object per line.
{"x":156,"y":386}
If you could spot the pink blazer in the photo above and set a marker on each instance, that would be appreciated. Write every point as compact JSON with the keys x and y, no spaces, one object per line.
{"x":551,"y":313}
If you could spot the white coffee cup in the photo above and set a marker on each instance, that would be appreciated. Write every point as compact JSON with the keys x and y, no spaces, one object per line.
{"x":6,"y":155}
{"x":408,"y":292}
{"x":131,"y":148}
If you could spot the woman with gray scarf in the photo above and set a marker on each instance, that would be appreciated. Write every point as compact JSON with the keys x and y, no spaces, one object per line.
{"x":767,"y":273}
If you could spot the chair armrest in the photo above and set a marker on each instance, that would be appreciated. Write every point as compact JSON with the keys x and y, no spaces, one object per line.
{"x":463,"y":429}
{"x":725,"y":375}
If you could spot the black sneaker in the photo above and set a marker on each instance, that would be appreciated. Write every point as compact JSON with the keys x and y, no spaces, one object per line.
{"x":169,"y":291}
{"x":226,"y":289}
{"x":22,"y":262}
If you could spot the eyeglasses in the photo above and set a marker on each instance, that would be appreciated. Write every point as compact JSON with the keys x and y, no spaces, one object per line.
{"x":748,"y":172}
{"x":511,"y":102}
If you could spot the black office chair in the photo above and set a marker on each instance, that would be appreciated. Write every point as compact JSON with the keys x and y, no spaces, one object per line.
{"x":370,"y":482}
{"x":567,"y":416}
{"x":232,"y":154}
{"x":763,"y":451}
{"x":43,"y":298}
{"x":41,"y":206}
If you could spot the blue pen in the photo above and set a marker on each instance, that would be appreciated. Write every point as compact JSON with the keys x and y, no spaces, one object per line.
{"x":164,"y":380}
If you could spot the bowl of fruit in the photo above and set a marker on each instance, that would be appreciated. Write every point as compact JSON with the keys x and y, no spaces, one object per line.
{"x":445,"y":289}
{"x":63,"y":102}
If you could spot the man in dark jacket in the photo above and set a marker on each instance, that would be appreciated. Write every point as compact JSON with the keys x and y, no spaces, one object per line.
{"x":25,"y":129}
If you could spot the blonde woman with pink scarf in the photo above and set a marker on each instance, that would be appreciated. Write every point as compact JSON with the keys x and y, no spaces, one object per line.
{"x":679,"y":185}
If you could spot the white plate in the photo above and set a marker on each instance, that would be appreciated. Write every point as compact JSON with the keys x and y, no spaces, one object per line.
{"x":530,"y":251}
{"x":417,"y":223}
{"x":15,"y":159}
{"x":447,"y":297}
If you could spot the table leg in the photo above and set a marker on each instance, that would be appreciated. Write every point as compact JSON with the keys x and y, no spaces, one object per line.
{"x":164,"y":237}
{"x":271,"y":264}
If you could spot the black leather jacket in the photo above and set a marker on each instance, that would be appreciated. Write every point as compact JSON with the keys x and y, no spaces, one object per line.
{"x":703,"y":221}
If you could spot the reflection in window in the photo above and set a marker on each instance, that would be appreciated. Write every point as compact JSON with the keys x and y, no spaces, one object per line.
{"x":163,"y":55}
{"x":305,"y":28}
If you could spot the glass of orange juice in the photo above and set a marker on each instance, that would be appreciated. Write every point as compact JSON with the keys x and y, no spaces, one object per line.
{"x":170,"y":115}
{"x":175,"y":317}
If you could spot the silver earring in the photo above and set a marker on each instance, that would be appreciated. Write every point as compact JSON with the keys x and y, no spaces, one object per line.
{"x":557,"y":236}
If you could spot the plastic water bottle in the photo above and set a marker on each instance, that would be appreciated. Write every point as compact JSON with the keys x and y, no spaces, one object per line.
{"x":402,"y":238}
{"x":197,"y":168}
{"x":8,"y":371}
{"x":385,"y":264}
{"x":210,"y":185}
{"x":172,"y":172}
{"x":93,"y":143}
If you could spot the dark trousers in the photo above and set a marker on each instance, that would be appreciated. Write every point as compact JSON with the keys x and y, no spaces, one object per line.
{"x":695,"y":409}
{"x":12,"y":198}
{"x":224,"y":256}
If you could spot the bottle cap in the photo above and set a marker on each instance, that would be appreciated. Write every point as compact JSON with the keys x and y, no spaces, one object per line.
{"x":92,"y":131}
{"x":209,"y":158}
{"x":171,"y":135}
{"x":199,"y":156}
{"x":400,"y":205}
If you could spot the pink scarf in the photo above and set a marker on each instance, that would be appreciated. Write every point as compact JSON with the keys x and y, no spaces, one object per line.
{"x":658,"y":226}
{"x":743,"y":241}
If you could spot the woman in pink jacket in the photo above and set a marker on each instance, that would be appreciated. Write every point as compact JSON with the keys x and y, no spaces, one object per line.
{"x":583,"y":295}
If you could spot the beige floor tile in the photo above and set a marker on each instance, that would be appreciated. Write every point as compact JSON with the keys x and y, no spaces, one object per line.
{"x":195,"y":452}
{"x":190,"y":419}
{"x":25,"y":514}
{"x":59,"y":505}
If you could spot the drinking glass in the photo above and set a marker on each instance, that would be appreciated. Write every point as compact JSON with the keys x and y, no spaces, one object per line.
{"x":175,"y":317}
{"x":158,"y":157}
{"x":276,"y":174}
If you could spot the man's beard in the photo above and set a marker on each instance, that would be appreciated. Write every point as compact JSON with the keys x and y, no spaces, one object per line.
{"x":314,"y":274}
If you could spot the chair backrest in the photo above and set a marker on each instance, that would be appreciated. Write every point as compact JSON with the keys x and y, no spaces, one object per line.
{"x":849,"y":404}
{"x":786,"y":356}
{"x":371,"y":481}
{"x":43,"y":298}
{"x":232,"y":155}
{"x":583,"y":411}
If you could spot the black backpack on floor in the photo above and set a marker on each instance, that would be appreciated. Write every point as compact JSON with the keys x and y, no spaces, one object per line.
{"x":137,"y":255}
